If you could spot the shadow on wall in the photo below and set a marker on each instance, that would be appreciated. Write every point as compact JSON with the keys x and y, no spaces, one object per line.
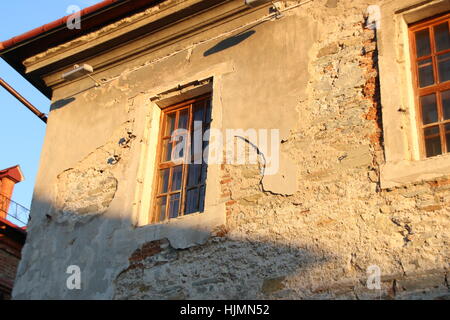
{"x":66,"y":101}
{"x":61,"y":103}
{"x":120,"y":261}
{"x":229,"y":42}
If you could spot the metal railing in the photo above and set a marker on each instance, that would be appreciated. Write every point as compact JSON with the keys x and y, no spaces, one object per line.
{"x":15,"y":212}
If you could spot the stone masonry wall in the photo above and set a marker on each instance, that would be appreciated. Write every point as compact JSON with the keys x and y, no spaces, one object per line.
{"x":318,"y":242}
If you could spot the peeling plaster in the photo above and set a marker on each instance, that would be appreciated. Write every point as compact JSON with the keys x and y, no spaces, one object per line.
{"x":286,"y":181}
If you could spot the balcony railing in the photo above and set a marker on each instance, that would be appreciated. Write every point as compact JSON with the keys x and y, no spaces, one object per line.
{"x":15,"y":212}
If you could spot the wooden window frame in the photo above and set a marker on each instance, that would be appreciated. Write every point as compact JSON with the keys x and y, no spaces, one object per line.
{"x":436,"y":88}
{"x":161,"y":165}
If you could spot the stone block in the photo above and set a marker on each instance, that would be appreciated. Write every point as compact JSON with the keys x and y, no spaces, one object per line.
{"x":272,"y":285}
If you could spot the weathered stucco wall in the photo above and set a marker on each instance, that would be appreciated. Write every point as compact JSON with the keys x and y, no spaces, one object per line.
{"x":309,"y":232}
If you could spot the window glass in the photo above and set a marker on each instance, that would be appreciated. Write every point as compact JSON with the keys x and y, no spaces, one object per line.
{"x":444,"y":67}
{"x":432,"y":141}
{"x":442,"y":37}
{"x":181,"y":182}
{"x":423,"y":47}
{"x":432,"y":83}
{"x":426,"y":74}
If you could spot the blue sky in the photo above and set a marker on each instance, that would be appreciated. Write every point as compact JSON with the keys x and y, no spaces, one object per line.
{"x":21,"y":131}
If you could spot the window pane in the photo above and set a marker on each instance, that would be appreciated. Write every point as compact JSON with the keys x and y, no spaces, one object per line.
{"x":432,"y":141}
{"x":196,"y":143}
{"x":446,"y":104}
{"x":179,"y":149}
{"x":426,"y":74}
{"x":444,"y":67}
{"x":423,"y":47}
{"x":425,"y":62}
{"x":429,"y":109}
{"x":170,"y":124}
{"x":161,"y":208}
{"x":164,"y":180}
{"x":195,"y":171}
{"x":177,"y":178}
{"x":166,"y":150}
{"x":442,"y":37}
{"x":174,"y":205}
{"x":447,"y":136}
{"x":199,"y":127}
{"x":183,"y":119}
{"x":198,"y":110}
{"x":191,"y":201}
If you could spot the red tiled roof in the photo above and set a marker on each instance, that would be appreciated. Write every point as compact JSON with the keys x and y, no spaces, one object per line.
{"x":35,"y":33}
{"x":49,"y":26}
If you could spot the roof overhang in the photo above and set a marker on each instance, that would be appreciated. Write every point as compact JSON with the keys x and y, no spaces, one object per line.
{"x":14,"y":51}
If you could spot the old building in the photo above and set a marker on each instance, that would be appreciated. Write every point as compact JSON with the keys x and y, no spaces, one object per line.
{"x":327,"y":161}
{"x":12,"y":236}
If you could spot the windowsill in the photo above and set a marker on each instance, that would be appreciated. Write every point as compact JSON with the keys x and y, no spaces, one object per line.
{"x":396,"y":174}
{"x":185,"y":231}
{"x":401,"y":139}
{"x":174,"y":220}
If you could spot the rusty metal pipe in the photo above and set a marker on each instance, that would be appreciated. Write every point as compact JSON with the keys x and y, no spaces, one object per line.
{"x":24,"y":101}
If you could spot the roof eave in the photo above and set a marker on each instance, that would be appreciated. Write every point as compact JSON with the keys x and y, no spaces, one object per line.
{"x":14,"y":51}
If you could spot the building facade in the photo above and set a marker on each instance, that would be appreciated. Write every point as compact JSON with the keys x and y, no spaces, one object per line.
{"x":12,"y":236}
{"x":323,"y":165}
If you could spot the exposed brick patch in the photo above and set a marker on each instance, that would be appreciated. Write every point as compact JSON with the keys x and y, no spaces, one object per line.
{"x":220,"y":231}
{"x":226,"y":194}
{"x":225,"y":181}
{"x":371,"y":88}
{"x":230,"y":203}
{"x":147,"y":250}
{"x":439,"y":183}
